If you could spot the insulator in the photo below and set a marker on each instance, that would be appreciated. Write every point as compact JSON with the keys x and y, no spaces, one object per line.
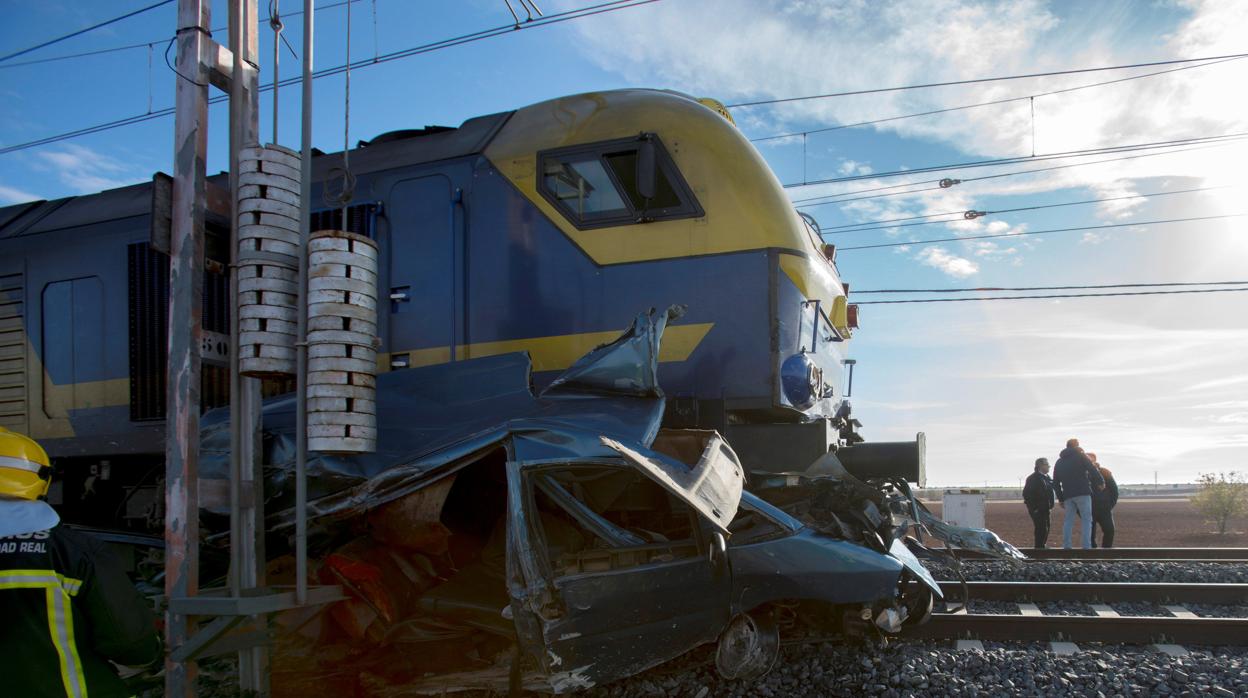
{"x":268,"y":260}
{"x":342,"y":343}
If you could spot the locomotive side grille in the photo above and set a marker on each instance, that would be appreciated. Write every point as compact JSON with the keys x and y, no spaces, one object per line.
{"x":149,"y":333}
{"x":13,"y":404}
{"x":360,"y":218}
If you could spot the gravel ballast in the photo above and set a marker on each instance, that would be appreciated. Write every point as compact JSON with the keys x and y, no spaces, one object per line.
{"x":908,"y":668}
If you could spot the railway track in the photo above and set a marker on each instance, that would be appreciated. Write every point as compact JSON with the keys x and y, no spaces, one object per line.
{"x":1124,"y":554}
{"x":1168,"y":633}
{"x":1109,"y":592}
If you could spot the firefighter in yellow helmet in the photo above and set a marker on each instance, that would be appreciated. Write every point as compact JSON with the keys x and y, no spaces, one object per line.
{"x":66,"y":606}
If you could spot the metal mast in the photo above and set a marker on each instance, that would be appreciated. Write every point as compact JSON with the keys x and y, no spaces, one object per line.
{"x":237,"y":613}
{"x":186,"y":272}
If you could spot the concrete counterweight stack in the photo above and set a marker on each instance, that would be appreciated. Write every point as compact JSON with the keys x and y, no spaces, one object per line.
{"x":342,"y":336}
{"x":268,"y":260}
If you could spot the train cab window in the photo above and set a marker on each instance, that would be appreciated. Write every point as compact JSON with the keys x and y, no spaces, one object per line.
{"x":583,"y":185}
{"x":619,"y":182}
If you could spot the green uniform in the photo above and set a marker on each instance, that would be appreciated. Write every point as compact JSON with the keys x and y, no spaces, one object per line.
{"x":68,"y":609}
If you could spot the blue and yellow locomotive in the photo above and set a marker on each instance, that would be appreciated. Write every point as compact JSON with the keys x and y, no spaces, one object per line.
{"x":544,"y":229}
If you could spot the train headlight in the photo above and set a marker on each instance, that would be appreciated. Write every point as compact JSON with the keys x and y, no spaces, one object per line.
{"x":802,"y":381}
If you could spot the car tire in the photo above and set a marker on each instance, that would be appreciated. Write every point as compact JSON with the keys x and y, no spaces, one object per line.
{"x":749,"y":646}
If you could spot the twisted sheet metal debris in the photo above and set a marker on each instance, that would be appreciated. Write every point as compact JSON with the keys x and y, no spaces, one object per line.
{"x":499,"y":534}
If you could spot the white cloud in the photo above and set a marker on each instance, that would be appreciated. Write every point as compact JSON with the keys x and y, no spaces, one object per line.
{"x":1229,"y":418}
{"x":776,"y":142}
{"x":951,"y":264}
{"x":13,"y":195}
{"x":1218,"y":383}
{"x":902,"y":406}
{"x":851,"y":167}
{"x":87,"y":171}
{"x":1023,"y":375}
{"x":803,"y":48}
{"x":1224,"y":405}
{"x":991,"y":250}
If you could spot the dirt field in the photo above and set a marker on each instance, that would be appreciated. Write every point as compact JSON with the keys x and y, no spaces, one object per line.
{"x":1141,"y":523}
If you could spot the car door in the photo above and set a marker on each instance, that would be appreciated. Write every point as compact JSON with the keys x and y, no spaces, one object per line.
{"x":615,"y":571}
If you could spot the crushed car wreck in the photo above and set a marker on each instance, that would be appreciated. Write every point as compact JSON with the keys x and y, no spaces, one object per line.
{"x":563,"y":539}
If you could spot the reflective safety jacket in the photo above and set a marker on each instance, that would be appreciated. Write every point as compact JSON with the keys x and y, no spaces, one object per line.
{"x":66,"y":609}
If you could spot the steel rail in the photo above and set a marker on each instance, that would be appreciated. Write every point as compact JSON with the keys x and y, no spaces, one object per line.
{"x":1113,"y":592}
{"x":1185,"y":554}
{"x":1123,"y":629}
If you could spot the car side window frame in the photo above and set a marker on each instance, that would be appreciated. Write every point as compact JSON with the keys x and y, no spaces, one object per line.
{"x":780,"y":530}
{"x":540,"y":547}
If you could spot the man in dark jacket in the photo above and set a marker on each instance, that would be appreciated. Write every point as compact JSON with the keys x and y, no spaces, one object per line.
{"x":1103,"y":501}
{"x":1074,"y":478}
{"x":68,"y":608}
{"x":1038,"y":497}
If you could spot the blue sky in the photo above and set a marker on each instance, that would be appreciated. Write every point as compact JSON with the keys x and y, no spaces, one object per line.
{"x":1152,"y":384}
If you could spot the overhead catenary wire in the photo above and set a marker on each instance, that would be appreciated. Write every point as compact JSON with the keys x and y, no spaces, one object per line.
{"x":84,"y":30}
{"x":1081,"y":287}
{"x":818,"y":200}
{"x":161,"y":40}
{"x":972,"y":81}
{"x":1043,"y":232}
{"x":1054,"y":295}
{"x":1081,"y":152}
{"x":342,"y":199}
{"x":480,"y":35}
{"x":1006,"y":100}
{"x":974,"y":214}
{"x":275,"y":24}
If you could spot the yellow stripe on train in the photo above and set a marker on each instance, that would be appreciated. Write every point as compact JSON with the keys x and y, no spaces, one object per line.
{"x":556,"y":352}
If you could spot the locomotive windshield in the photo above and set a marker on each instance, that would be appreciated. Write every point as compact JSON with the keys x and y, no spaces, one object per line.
{"x":602,"y":184}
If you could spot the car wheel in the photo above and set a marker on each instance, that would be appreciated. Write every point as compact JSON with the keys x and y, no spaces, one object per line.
{"x":748,"y":647}
{"x":919,"y":607}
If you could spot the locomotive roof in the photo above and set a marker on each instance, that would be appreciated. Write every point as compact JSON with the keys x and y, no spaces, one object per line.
{"x":429,"y":145}
{"x":36,"y":217}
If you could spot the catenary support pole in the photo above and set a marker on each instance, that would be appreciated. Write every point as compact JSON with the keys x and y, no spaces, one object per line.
{"x":246,"y":484}
{"x":301,"y":361}
{"x":186,"y":271}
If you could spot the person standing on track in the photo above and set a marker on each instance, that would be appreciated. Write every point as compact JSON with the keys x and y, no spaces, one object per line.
{"x":1103,"y":501}
{"x":66,"y":605}
{"x":1074,"y":478}
{"x":1038,"y":498}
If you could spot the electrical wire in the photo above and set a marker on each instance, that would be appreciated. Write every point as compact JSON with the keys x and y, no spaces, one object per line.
{"x":973,"y":214}
{"x":161,"y":40}
{"x":987,"y":104}
{"x":1055,"y":295}
{"x":967,"y":180}
{"x":505,"y":29}
{"x":984,"y":289}
{"x":342,"y":198}
{"x":1082,"y":152}
{"x":1042,"y":232}
{"x":84,"y":30}
{"x":972,"y":81}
